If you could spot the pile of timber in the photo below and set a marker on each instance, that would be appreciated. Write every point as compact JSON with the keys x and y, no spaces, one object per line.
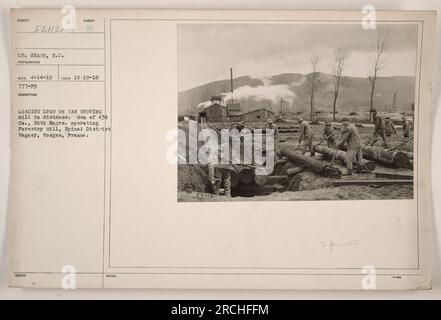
{"x":341,"y":155}
{"x":262,"y":180}
{"x":289,"y":130}
{"x":409,"y":154}
{"x":246,"y":176}
{"x":281,"y":130}
{"x":395,"y":157}
{"x":242,"y":174}
{"x":392,"y":157}
{"x":317,"y":166}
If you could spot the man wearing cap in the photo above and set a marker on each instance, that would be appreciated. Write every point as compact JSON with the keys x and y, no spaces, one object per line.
{"x":406,"y":126}
{"x":351,"y":138}
{"x":329,"y":134}
{"x":219,"y":175}
{"x":271,"y":125}
{"x":379,"y":131}
{"x":306,"y":135}
{"x":389,"y":127}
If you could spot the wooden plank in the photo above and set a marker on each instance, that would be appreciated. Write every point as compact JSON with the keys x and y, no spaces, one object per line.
{"x":394,"y":176}
{"x":254,"y":190}
{"x":383,"y":182}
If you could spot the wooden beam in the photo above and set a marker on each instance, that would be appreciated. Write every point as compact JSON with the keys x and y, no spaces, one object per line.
{"x":394,"y":176}
{"x":262,"y":180}
{"x":382,"y":182}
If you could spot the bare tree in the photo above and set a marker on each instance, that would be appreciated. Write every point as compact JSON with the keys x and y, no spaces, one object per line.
{"x":312,"y":84}
{"x":379,"y":45}
{"x":339,"y":62}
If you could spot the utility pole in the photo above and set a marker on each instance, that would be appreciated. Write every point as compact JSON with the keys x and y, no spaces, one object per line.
{"x":231,"y":85}
{"x":394,"y":102}
{"x":281,"y":105}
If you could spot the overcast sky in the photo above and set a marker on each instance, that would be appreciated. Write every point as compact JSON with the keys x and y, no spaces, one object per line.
{"x":207,"y":51}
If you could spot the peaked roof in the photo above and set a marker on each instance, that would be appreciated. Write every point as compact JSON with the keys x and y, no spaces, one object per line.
{"x":204,"y":105}
{"x":233,"y":107}
{"x":260,"y":109}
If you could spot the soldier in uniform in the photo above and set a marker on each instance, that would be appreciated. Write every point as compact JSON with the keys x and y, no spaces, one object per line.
{"x":329,"y":133}
{"x":351,"y":138}
{"x":389,"y":127}
{"x":379,"y":131}
{"x":219,"y":175}
{"x":406,"y":126}
{"x":306,"y":135}
{"x":273,"y":126}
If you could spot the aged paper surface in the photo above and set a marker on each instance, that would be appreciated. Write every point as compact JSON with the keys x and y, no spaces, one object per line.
{"x":98,"y":199}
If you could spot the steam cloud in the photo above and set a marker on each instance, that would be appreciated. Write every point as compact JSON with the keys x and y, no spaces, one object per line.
{"x":267,"y":91}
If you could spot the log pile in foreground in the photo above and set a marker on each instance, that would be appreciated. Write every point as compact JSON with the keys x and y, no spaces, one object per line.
{"x":393,"y":157}
{"x":317,"y":166}
{"x":341,"y":155}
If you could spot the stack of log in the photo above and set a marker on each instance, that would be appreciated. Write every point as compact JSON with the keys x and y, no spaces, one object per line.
{"x":394,"y":157}
{"x":317,"y":166}
{"x":391,"y":157}
{"x":248,"y":177}
{"x":341,"y":155}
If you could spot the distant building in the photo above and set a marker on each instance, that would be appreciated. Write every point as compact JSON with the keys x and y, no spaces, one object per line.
{"x":213,"y":112}
{"x":233,"y":112}
{"x":259,"y":115}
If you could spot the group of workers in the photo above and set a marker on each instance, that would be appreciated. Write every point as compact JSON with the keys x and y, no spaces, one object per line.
{"x":350,"y":138}
{"x":220,"y":175}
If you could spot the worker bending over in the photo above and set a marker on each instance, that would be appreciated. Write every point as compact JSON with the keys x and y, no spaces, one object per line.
{"x":306,"y":135}
{"x":379,"y":130}
{"x":351,"y":138}
{"x":329,"y":133}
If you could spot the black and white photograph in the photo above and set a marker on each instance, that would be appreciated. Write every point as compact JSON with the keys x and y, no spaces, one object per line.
{"x":297,"y":111}
{"x":236,"y":153}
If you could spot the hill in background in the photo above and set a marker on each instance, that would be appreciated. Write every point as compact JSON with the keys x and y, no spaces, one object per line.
{"x":292,"y":88}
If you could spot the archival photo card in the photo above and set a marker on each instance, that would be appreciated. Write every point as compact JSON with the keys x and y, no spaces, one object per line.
{"x":221,"y":149}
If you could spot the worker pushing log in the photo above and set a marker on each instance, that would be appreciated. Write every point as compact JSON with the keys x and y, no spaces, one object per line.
{"x":376,"y":153}
{"x":317,"y":166}
{"x":352,"y":141}
{"x":341,"y":155}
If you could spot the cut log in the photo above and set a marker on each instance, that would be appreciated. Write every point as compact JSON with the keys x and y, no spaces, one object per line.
{"x":311,"y":163}
{"x":409,"y":154}
{"x":281,"y":161}
{"x":293,"y":171}
{"x":234,"y":178}
{"x":241,"y":174}
{"x":262,"y":180}
{"x":289,"y":130}
{"x":246,"y":175}
{"x":341,"y":155}
{"x":395,"y":157}
{"x":252,"y":190}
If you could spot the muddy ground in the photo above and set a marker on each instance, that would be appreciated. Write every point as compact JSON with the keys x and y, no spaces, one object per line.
{"x":332,"y":193}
